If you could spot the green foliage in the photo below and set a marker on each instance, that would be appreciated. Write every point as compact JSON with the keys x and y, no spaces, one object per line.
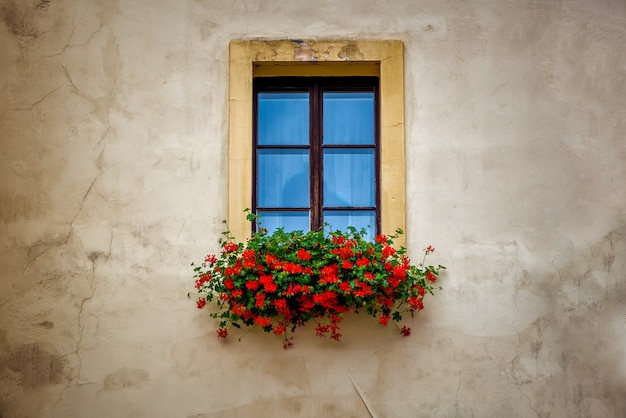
{"x":283,"y":280}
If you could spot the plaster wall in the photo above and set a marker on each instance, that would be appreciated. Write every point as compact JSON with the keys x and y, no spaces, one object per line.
{"x":113,"y":178}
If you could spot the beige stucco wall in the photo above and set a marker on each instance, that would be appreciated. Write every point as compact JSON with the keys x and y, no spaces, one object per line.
{"x":113,"y":142}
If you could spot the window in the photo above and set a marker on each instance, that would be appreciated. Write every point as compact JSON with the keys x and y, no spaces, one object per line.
{"x":316,"y":153}
{"x":256,"y":59}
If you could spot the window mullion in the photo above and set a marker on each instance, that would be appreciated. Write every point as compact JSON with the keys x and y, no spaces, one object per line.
{"x":315,"y":157}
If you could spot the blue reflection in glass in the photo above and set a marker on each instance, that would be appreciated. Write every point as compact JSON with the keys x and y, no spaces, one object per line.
{"x":349,"y":177}
{"x":283,"y":178}
{"x":289,"y":221}
{"x":283,"y":118}
{"x":348,"y":118}
{"x":342,"y":219}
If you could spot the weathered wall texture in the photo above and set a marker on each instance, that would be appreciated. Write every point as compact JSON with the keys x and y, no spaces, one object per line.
{"x":112,"y":180}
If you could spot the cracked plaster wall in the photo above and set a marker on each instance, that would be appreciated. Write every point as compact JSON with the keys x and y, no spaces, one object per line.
{"x":113,"y":146}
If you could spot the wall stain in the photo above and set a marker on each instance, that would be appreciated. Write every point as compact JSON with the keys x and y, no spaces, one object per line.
{"x":36,"y":366}
{"x":350,"y":52}
{"x":20,"y":18}
{"x":125,"y":378}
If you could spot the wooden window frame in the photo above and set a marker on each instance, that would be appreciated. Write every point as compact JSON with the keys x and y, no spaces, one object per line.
{"x":263,"y":58}
{"x":316,"y":86}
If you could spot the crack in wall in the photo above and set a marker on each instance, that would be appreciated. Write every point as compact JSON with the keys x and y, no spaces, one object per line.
{"x":42,"y":248}
{"x":93,"y":257}
{"x":37,"y":102}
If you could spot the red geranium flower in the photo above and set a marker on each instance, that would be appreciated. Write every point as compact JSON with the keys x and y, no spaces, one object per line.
{"x":304,"y":254}
{"x":384,"y":319}
{"x":279,"y":281}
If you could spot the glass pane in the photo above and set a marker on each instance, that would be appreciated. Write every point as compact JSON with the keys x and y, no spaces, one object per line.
{"x":283,"y":178}
{"x":349,"y":177}
{"x":289,"y":221}
{"x":283,"y":118}
{"x":348,"y":117}
{"x":342,"y":219}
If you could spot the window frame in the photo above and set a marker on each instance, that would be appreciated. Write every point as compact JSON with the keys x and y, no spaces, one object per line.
{"x":263,"y":58}
{"x":316,"y":87}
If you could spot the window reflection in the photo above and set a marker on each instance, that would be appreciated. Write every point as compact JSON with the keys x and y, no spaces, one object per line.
{"x":349,"y":177}
{"x":342,"y":219}
{"x":348,"y":118}
{"x":283,"y":118}
{"x":289,"y":221}
{"x":283,"y":178}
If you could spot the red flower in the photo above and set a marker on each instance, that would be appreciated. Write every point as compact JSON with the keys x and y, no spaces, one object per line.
{"x":431,"y":276}
{"x":306,"y":302}
{"x":232,"y":271}
{"x":343,"y":252}
{"x":201,"y":303}
{"x":400,"y":272}
{"x":252,"y":285}
{"x":381,"y":239}
{"x":268,"y":283}
{"x":345,"y":286}
{"x":204,"y":278}
{"x":363,"y":289}
{"x":363,"y":262}
{"x":293,"y":268}
{"x":210,"y":259}
{"x":405,"y":331}
{"x":386,"y":301}
{"x":339,"y":240}
{"x":346,"y":264}
{"x":229,"y":284}
{"x":429,"y":249}
{"x":415,"y":303}
{"x":329,"y":274}
{"x":236,"y":293}
{"x":420,"y":290}
{"x":279,"y":329}
{"x":384,"y":319}
{"x":271,"y":261}
{"x":222,"y":332}
{"x":304,"y":254}
{"x":260,"y":300}
{"x":388,"y":251}
{"x":328,"y":299}
{"x":230,"y":247}
{"x":321,"y":330}
{"x":262,"y":321}
{"x":281,"y":306}
{"x":393,"y":281}
{"x":238,"y":309}
{"x":292,"y":289}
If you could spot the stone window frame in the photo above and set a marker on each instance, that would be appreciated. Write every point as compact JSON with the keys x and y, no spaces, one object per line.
{"x":262,"y":58}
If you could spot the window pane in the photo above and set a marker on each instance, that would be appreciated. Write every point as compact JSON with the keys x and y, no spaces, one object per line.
{"x":283,"y":178}
{"x":349,"y":177}
{"x":342,"y":219}
{"x":283,"y":118}
{"x":348,"y":117}
{"x":289,"y":221}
